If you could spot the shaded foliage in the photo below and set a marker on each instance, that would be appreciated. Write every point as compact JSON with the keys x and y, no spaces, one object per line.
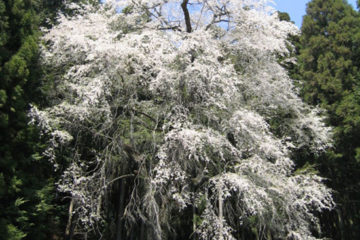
{"x":329,"y":63}
{"x":28,"y":206}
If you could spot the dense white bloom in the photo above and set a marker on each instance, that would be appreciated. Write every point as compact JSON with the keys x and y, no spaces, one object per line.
{"x":187,"y":111}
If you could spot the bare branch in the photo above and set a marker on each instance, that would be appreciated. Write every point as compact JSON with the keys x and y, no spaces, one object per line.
{"x":121,"y":177}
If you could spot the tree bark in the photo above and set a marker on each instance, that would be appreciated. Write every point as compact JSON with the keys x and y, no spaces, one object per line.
{"x":68,"y":230}
{"x":220,"y":199}
{"x":119,"y":230}
{"x":186,"y":16}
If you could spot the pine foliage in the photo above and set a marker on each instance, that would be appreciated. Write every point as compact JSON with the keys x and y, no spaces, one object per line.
{"x":26,"y":182}
{"x":329,"y":65}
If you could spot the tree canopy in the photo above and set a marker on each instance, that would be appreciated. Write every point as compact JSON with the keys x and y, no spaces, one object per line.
{"x":329,"y":66}
{"x":174,"y":119}
{"x":25,"y":199}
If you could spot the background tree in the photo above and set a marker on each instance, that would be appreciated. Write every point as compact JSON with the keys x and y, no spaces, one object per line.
{"x":162,"y":122}
{"x":28,"y":208}
{"x":329,"y":64}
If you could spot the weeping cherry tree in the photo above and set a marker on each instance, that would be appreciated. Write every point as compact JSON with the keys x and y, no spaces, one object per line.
{"x":174,"y":120}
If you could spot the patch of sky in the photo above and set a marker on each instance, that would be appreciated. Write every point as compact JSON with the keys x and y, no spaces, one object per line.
{"x":296,"y":8}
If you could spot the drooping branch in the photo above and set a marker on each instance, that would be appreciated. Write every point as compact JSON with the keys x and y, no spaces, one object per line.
{"x":186,"y":15}
{"x":121,"y":177}
{"x":184,"y":139}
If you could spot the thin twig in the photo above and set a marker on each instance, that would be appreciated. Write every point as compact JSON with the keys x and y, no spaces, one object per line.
{"x":121,"y":177}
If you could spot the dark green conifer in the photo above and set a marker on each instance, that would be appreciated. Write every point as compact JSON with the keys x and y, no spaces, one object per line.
{"x":329,"y":64}
{"x":27,"y":210}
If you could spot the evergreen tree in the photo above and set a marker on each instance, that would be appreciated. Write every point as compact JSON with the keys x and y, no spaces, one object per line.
{"x":26,"y":182}
{"x":329,"y":65}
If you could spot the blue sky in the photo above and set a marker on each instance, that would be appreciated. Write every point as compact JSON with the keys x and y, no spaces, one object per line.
{"x":296,"y":8}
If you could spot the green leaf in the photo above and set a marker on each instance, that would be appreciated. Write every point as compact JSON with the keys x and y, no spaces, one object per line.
{"x":14,"y":233}
{"x":20,"y":201}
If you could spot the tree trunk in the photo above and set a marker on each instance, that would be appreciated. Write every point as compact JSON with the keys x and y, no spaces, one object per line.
{"x":119,"y":228}
{"x":142,"y":231}
{"x":341,"y":224}
{"x":186,"y":16}
{"x":220,"y":210}
{"x":69,"y":229}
